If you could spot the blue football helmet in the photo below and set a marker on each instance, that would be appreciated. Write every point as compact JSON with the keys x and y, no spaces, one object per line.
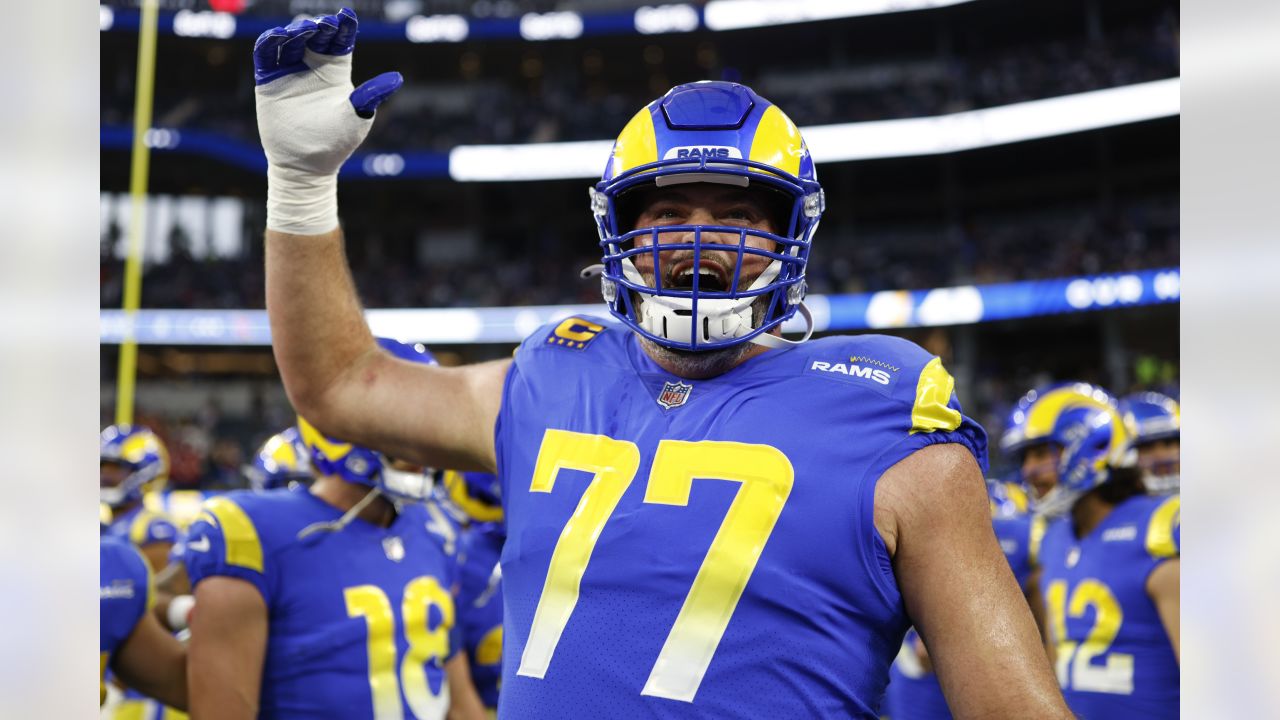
{"x":471,"y":497}
{"x":707,"y":132}
{"x":1080,"y":419}
{"x":1007,"y":499}
{"x":1150,"y":417}
{"x":362,"y":465}
{"x":282,"y":461}
{"x":142,"y":455}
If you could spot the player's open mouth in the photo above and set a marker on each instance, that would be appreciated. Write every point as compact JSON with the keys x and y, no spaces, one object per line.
{"x":711,"y":277}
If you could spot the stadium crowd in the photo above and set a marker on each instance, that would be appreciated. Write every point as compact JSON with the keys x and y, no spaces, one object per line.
{"x":526,"y":271}
{"x":546,"y":95}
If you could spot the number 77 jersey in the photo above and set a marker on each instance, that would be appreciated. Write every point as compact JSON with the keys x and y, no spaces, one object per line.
{"x":705,"y":548}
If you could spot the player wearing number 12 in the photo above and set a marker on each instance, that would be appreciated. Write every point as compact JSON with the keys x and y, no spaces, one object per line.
{"x":703,"y":518}
{"x":1109,"y":559}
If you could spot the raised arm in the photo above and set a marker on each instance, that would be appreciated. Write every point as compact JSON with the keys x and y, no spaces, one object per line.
{"x":933,"y":513}
{"x":311,"y":119}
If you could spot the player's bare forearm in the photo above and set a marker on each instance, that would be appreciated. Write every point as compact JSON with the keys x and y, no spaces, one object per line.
{"x":227,"y":649}
{"x":154,"y":663}
{"x":933,"y":513}
{"x":1163,"y":585}
{"x":464,"y":701}
{"x":339,"y":379}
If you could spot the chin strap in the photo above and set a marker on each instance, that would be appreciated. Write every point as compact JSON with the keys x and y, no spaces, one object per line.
{"x":777,"y":341}
{"x":345,"y":520}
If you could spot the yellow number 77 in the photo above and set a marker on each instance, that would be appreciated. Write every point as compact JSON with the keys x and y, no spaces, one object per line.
{"x":766,"y":477}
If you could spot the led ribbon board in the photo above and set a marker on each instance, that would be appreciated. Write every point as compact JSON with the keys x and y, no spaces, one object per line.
{"x":858,"y":311}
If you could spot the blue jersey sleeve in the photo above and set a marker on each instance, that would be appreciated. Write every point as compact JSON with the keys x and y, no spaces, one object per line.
{"x":224,"y":541}
{"x":126,"y":591}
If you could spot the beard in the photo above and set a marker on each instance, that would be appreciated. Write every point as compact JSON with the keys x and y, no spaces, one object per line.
{"x":702,"y":364}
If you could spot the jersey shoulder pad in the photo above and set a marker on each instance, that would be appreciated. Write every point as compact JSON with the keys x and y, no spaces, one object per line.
{"x":896,"y":368}
{"x":575,"y":333}
{"x":126,"y":593}
{"x":227,"y":538}
{"x":150,"y":526}
{"x":1163,"y":537}
{"x":122,"y":561}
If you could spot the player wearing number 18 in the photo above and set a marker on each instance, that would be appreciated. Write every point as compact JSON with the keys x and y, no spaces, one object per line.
{"x":703,"y":519}
{"x":334,"y":601}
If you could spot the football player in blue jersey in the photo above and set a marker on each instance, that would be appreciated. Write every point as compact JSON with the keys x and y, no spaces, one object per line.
{"x":283,"y":461}
{"x":703,"y":519}
{"x":1109,"y":560}
{"x":475,"y":499}
{"x":1154,"y":422}
{"x":333,"y":601}
{"x":133,"y":463}
{"x":132,"y":644}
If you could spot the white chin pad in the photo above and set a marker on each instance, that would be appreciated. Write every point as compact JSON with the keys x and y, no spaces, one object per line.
{"x":111,"y":496}
{"x":671,"y":318}
{"x":412,"y":486}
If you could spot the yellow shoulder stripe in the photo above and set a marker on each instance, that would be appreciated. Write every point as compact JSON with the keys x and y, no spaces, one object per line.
{"x":1164,"y":521}
{"x":139,"y":525}
{"x":489,"y":649}
{"x":933,"y":393}
{"x":238,"y":533}
{"x":1038,"y":525}
{"x":476,"y":510}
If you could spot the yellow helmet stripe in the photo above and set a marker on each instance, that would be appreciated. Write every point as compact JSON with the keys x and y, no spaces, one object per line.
{"x":777,"y":142}
{"x":637,"y":145}
{"x":315,"y":439}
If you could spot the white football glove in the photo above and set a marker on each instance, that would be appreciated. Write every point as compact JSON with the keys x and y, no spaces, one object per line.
{"x":310,"y":118}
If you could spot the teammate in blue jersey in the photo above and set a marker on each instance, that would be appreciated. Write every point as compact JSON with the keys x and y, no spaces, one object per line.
{"x":334,"y":601}
{"x":480,"y":607}
{"x":132,"y":643}
{"x":134,"y":463}
{"x":473,"y":499}
{"x":283,"y":461}
{"x":1154,"y":422}
{"x":703,"y":519}
{"x":1109,"y":559}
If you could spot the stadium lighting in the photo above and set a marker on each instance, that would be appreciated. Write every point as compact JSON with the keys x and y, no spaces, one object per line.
{"x":551,"y":26}
{"x":204,"y":23}
{"x":967,"y":130}
{"x":436,"y":28}
{"x":655,"y":20}
{"x":739,"y":14}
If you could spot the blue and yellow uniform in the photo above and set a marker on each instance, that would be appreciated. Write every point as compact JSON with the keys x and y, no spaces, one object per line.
{"x":914,"y":692}
{"x":180,"y":507}
{"x":359,"y":619}
{"x":124,"y":595}
{"x":1114,"y":658}
{"x":480,"y":607}
{"x":142,"y":526}
{"x":706,"y":547}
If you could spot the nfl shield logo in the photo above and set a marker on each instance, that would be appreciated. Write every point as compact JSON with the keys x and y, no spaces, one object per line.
{"x":393,"y":547}
{"x":674,"y":394}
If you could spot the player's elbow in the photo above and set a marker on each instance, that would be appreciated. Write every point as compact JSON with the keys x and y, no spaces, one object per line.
{"x":324,"y":399}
